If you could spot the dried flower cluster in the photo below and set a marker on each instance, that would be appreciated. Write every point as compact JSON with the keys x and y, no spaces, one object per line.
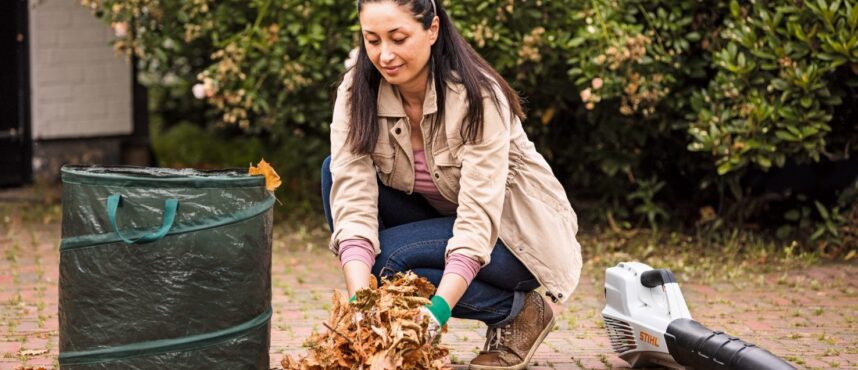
{"x":630,"y":48}
{"x":643,"y":93}
{"x":120,"y":15}
{"x":382,"y":329}
{"x":228,"y":70}
{"x":640,"y":93}
{"x":529,"y":51}
{"x":197,"y":9}
{"x":483,"y":32}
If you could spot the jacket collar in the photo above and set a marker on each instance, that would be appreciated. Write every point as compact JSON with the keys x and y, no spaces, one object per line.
{"x":390,"y":102}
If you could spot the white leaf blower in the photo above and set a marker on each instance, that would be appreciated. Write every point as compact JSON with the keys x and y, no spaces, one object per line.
{"x":649,"y":325}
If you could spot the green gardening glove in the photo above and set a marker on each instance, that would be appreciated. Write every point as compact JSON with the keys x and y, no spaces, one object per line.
{"x":439,"y":313}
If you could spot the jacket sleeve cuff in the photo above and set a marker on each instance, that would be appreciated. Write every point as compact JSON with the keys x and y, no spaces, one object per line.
{"x":463,"y":266}
{"x":357,"y":250}
{"x":354,"y":231}
{"x":466,"y":246}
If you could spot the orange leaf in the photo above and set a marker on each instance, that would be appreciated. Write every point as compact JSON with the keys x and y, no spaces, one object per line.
{"x":272,"y":179}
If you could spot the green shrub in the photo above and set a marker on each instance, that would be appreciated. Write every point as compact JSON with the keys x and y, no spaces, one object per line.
{"x":691,"y":96}
{"x":784,"y":69}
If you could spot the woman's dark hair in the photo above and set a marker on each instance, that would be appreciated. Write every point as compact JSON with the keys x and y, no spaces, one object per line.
{"x":450,"y":53}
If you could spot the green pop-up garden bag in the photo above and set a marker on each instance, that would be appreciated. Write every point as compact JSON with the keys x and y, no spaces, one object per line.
{"x":164,"y":268}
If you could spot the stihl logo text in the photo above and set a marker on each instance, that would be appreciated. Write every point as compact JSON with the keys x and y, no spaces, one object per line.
{"x":652,"y":340}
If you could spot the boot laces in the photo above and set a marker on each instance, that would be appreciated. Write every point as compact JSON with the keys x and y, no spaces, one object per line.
{"x":496,"y":338}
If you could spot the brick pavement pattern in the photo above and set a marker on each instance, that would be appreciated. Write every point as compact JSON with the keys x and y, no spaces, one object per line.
{"x":807,"y":316}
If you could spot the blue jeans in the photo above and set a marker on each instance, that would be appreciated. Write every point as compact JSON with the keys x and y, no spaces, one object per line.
{"x":414,"y":236}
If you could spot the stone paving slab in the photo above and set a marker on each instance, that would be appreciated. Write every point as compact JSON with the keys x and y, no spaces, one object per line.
{"x":807,"y":316}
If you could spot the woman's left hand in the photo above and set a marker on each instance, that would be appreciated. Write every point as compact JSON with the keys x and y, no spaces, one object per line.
{"x":439,"y":313}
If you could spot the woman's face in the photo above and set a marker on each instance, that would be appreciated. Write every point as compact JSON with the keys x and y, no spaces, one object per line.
{"x":396,"y":42}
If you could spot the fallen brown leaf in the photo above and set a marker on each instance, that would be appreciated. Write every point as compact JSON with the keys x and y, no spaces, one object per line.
{"x":32,"y":352}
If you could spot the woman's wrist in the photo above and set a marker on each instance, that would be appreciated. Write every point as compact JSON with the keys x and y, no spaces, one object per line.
{"x":357,"y":258}
{"x":357,"y":276}
{"x":452,"y":287}
{"x":464,"y":266}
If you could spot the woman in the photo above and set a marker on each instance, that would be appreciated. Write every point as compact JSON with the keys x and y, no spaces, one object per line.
{"x":431,"y":171}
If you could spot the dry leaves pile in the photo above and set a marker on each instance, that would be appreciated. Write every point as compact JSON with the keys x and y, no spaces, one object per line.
{"x":381,"y":329}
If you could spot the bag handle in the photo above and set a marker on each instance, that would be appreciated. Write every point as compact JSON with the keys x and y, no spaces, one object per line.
{"x":170,"y":206}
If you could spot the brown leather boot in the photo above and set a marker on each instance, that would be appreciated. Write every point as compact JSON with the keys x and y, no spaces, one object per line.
{"x":512,"y":346}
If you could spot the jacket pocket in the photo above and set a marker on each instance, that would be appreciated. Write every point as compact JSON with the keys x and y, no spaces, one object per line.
{"x":448,"y":169}
{"x":383,"y":159}
{"x":540,"y":233}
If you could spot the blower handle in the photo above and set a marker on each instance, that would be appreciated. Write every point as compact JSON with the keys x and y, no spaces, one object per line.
{"x":676,"y":306}
{"x":694,"y":345}
{"x":656,"y":277}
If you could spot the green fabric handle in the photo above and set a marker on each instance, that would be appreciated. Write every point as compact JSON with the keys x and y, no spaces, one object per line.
{"x":170,"y":206}
{"x":440,"y":309}
{"x":188,"y":226}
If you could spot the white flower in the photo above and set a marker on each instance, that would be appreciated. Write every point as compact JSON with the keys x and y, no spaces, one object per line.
{"x":597,"y":83}
{"x":585,"y":94}
{"x":352,"y":60}
{"x":199,"y":91}
{"x":168,"y":43}
{"x":170,"y":79}
{"x":120,"y":29}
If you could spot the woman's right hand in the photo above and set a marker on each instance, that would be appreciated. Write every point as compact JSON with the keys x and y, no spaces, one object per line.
{"x":357,"y":276}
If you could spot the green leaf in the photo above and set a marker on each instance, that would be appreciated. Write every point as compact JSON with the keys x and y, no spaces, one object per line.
{"x":809,"y":131}
{"x":724,"y":168}
{"x":576,"y":42}
{"x":834,"y":100}
{"x":792,"y":215}
{"x":735,"y":10}
{"x":834,"y":6}
{"x":785,"y":135}
{"x":764,"y":162}
{"x":784,"y":232}
{"x":821,"y":209}
{"x":818,"y":233}
{"x":832,"y":228}
{"x":779,"y":84}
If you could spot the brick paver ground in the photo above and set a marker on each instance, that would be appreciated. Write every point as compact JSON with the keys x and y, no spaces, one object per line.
{"x":807,"y":316}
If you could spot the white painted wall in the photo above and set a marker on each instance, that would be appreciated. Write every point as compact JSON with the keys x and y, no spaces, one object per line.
{"x":80,"y":87}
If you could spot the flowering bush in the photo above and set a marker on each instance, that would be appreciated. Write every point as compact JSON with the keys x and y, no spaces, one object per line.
{"x":689,"y":95}
{"x":262,"y":61}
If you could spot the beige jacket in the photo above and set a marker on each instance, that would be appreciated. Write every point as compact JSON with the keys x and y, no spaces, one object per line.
{"x":503,"y":187}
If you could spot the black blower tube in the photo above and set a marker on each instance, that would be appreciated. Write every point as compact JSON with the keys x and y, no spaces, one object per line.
{"x":694,"y":345}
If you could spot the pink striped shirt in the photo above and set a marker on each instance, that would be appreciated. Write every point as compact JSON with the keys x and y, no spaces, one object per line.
{"x":361,"y":250}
